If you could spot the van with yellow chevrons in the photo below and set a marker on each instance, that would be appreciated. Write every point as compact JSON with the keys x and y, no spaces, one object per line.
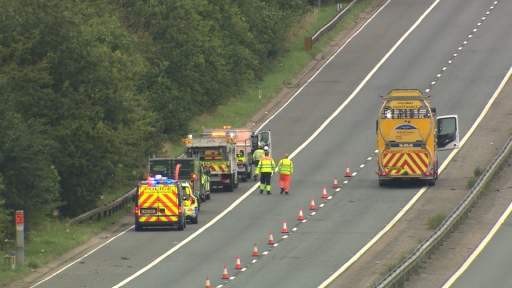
{"x":158,"y":203}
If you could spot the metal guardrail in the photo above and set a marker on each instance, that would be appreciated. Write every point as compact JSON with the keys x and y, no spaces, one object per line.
{"x":105,"y":211}
{"x":311,"y":40}
{"x":412,"y":264}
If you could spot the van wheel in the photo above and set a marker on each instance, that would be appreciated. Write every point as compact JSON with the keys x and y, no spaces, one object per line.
{"x":182,"y":225}
{"x":195,"y":220}
{"x":138,"y":227}
{"x":431,"y":183}
{"x":244,"y":179}
{"x":207,"y":197}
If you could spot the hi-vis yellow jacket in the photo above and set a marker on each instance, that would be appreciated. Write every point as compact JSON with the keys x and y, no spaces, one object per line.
{"x":266,"y":164}
{"x":285,"y":167}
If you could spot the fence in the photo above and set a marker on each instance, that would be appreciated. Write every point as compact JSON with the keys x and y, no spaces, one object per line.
{"x":311,"y":40}
{"x":426,"y":249}
{"x":105,"y":211}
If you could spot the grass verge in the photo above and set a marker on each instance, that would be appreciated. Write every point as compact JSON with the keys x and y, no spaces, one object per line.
{"x":58,"y":238}
{"x":240,"y":109}
{"x":435,"y":221}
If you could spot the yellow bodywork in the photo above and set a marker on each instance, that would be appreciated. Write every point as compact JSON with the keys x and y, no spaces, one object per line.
{"x":406,"y":136}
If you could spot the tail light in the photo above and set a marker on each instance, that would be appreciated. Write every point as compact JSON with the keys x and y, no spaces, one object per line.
{"x":429,"y":173}
{"x":136,"y":210}
{"x":382,"y":174}
{"x":179,"y":209}
{"x":193,"y":176}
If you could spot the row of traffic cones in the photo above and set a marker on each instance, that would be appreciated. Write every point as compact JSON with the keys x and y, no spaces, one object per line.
{"x":347,"y":174}
{"x":271,"y":241}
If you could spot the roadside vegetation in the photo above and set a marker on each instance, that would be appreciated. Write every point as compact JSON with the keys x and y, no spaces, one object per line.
{"x":435,"y":221}
{"x":87,"y":97}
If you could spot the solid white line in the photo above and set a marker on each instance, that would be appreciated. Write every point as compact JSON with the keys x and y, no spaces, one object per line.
{"x":420,"y":193}
{"x":480,"y":247}
{"x":111,"y":239}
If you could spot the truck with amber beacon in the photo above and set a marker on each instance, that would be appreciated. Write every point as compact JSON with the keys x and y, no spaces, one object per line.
{"x":409,"y":136}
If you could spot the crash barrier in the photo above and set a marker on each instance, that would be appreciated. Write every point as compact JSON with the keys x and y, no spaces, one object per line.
{"x":311,"y":40}
{"x":105,"y":211}
{"x":409,"y":266}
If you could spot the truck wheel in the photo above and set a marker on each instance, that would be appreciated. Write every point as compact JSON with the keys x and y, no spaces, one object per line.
{"x":382,"y":183}
{"x":235,"y":184}
{"x":431,"y":182}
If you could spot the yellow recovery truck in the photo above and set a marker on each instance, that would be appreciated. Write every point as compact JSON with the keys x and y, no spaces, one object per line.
{"x":409,"y":136}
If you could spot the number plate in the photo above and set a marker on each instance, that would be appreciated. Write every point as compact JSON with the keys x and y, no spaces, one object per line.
{"x":148,"y":211}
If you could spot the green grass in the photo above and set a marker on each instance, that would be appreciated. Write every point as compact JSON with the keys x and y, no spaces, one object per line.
{"x":238,"y":111}
{"x":58,"y":238}
{"x":477,"y":171}
{"x":435,"y":221}
{"x":471,"y":182}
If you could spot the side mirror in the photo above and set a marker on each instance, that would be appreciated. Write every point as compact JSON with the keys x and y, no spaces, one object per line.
{"x":134,"y":198}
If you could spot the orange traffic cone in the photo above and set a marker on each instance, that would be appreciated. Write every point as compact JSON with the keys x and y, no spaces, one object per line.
{"x":335,"y":182}
{"x":238,"y":264}
{"x":208,"y":282}
{"x":347,"y":174}
{"x":324,"y":194}
{"x":225,"y":274}
{"x":255,"y":250}
{"x":312,"y":206}
{"x":270,"y":239}
{"x":284,"y":230}
{"x":301,"y":217}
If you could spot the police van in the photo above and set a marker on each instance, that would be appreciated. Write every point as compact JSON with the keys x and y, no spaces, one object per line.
{"x":159,"y":202}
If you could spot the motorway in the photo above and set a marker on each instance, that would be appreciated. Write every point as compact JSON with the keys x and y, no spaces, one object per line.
{"x":443,"y":47}
{"x":489,"y":265}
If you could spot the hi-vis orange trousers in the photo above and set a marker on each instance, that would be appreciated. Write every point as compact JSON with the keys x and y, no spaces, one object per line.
{"x":284,"y":181}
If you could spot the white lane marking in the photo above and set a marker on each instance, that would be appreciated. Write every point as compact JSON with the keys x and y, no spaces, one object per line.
{"x":321,"y":205}
{"x":479,"y":249}
{"x":92,"y":251}
{"x":420,"y":193}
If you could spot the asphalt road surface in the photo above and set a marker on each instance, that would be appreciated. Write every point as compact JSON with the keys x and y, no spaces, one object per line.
{"x":491,"y":267}
{"x":430,"y":45}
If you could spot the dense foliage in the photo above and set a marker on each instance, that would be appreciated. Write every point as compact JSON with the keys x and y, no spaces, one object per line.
{"x":89,"y":89}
